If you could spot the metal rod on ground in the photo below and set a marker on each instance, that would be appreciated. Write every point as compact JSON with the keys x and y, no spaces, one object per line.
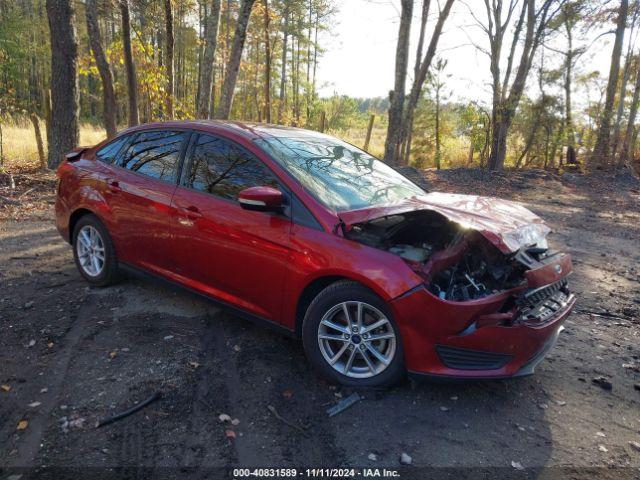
{"x":126,"y":413}
{"x":369,"y":129}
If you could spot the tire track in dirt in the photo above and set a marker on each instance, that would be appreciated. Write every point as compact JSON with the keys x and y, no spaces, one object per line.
{"x":264,"y":365}
{"x":30,"y":441}
{"x":197,"y":451}
{"x":247,"y":445}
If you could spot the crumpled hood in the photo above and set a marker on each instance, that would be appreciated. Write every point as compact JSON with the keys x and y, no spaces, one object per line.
{"x":508,"y":225}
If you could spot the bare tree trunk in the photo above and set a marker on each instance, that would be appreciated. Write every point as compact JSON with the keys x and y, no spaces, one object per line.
{"x":471,"y":151}
{"x":421,"y":76}
{"x":396,"y":97}
{"x":405,"y":148}
{"x":626,"y":73}
{"x":306,"y":88}
{"x":505,"y":99}
{"x":108,"y":94}
{"x":568,"y":114}
{"x":47,"y":114}
{"x":367,"y":139}
{"x":226,"y":98}
{"x":295,"y":76}
{"x":132,"y":83}
{"x":438,"y":153}
{"x":36,"y":129}
{"x":1,"y":145}
{"x":168,"y":50}
{"x":205,"y":103}
{"x":283,"y":64}
{"x":627,"y":145}
{"x":267,"y":65}
{"x":600,"y":154}
{"x":65,"y":107}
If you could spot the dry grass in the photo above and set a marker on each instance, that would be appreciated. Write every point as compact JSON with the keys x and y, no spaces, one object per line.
{"x":20,"y":151}
{"x":356,"y":136}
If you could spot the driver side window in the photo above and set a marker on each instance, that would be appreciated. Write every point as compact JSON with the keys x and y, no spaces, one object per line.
{"x":224,"y":169}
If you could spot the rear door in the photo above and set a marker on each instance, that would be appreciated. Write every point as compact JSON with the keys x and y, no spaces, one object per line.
{"x":237,"y":255}
{"x":139,"y":191}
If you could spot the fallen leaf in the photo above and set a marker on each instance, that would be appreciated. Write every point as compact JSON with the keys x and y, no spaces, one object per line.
{"x":22,"y":424}
{"x":288,"y":393}
{"x":6,"y":388}
{"x":602,"y":448}
{"x":50,"y":344}
{"x":223,"y":417}
{"x":517,"y":465}
{"x":112,"y":355}
{"x":235,"y":422}
{"x":35,"y":404}
{"x":193,"y":364}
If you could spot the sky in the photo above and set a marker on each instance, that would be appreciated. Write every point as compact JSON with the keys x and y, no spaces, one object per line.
{"x":360,"y":50}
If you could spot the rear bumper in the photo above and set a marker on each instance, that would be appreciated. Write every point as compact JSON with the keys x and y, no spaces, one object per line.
{"x":441,"y":341}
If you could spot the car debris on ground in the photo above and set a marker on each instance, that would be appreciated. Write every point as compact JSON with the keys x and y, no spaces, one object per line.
{"x":343,"y":404}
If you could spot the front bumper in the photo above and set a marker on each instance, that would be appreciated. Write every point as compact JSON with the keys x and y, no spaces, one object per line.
{"x":440,"y":338}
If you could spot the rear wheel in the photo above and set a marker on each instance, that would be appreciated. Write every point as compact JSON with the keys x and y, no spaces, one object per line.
{"x":93,"y":252}
{"x":351,"y":338}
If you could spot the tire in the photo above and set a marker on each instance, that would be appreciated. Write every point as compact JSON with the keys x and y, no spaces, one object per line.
{"x":321,"y":348}
{"x":108,"y":273}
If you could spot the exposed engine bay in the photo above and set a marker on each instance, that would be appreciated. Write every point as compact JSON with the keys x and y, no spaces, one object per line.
{"x":456,"y":264}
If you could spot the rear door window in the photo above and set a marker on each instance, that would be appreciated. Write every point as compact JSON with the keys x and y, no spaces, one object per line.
{"x":156,"y":153}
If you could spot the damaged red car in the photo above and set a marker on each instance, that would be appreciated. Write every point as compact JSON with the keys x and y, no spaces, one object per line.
{"x":307,"y":233}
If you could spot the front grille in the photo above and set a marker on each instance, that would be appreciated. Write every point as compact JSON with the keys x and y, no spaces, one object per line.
{"x":540,"y":305}
{"x":464,"y":359}
{"x":539,"y":294}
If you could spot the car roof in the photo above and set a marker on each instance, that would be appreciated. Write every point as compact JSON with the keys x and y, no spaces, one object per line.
{"x":249,"y":130}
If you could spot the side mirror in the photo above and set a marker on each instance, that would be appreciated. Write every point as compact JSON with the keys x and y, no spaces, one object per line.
{"x":263,"y":199}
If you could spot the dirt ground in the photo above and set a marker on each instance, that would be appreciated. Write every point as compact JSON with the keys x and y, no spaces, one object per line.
{"x":71,"y":354}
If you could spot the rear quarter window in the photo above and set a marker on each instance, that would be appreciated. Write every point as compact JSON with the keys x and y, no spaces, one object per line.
{"x":109,"y":153}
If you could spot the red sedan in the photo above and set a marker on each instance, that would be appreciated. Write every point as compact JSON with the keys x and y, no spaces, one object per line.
{"x":312,"y":235}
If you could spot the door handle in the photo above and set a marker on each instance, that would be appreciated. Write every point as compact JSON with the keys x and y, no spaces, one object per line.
{"x":192,"y":212}
{"x":114,"y":186}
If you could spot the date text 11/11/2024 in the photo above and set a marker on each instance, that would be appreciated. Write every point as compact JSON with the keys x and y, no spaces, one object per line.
{"x":239,"y":473}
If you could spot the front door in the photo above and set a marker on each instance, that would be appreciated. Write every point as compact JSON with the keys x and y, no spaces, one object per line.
{"x":236,"y":255}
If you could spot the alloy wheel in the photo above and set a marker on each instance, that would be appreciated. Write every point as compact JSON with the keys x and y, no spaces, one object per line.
{"x":356,"y":339}
{"x":90,"y":250}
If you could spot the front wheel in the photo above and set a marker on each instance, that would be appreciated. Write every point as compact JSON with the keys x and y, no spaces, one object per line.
{"x":351,"y":338}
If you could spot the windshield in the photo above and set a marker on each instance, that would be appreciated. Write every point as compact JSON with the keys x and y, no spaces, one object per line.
{"x":339,"y":175}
